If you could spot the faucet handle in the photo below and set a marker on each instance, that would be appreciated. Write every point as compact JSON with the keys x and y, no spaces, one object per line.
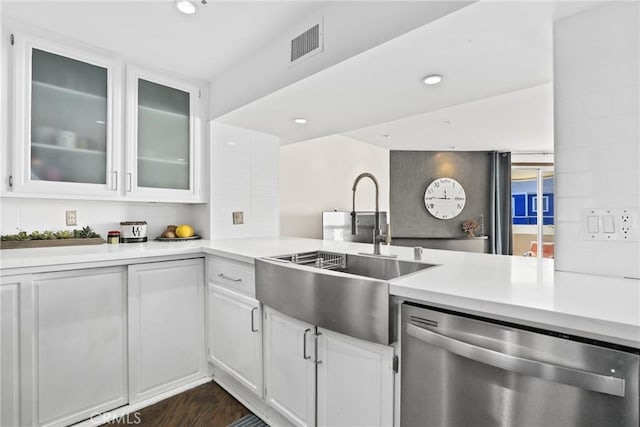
{"x":379,"y":237}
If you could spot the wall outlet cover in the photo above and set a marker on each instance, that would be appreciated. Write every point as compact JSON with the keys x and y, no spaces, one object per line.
{"x":238,"y":218}
{"x":71,"y":217}
{"x":612,"y":224}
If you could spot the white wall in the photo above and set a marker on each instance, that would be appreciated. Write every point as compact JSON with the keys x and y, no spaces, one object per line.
{"x":597,"y":132}
{"x":30,"y":214}
{"x":317,"y":176}
{"x":244,"y":177}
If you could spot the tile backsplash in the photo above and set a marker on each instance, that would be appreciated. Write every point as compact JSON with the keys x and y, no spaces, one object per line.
{"x":244,"y":169}
{"x":597,"y":132}
{"x":47,"y":214}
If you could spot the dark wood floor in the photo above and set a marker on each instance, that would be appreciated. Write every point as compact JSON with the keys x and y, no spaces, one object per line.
{"x":206,"y":405}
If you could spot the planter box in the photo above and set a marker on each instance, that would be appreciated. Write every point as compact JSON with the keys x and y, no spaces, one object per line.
{"x":21,"y":244}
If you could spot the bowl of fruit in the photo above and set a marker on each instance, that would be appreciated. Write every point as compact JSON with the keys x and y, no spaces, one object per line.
{"x":177,"y":233}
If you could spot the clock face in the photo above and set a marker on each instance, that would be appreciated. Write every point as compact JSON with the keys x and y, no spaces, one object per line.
{"x":444,"y":198}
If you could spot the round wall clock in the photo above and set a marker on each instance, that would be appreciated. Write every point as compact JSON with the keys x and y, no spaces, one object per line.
{"x":444,"y":198}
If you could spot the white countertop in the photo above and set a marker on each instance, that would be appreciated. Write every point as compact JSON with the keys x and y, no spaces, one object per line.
{"x":519,"y":289}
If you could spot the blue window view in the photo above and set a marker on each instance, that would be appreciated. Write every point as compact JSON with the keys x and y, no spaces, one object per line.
{"x":524,"y":202}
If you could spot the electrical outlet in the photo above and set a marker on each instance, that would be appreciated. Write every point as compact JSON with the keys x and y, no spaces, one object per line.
{"x":72,"y":217}
{"x":616,"y":224}
{"x":238,"y":218}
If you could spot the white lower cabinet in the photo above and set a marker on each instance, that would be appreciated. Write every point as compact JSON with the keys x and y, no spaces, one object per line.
{"x":290,"y":369}
{"x":235,"y":335}
{"x":10,"y":350}
{"x":355,"y":381}
{"x":166,"y":326}
{"x":73,"y":345}
{"x":318,"y":377}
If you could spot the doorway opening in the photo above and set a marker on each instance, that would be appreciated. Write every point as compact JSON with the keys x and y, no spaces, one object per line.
{"x":532,"y":210}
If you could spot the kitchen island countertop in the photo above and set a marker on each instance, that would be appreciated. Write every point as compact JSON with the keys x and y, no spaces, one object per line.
{"x":522,"y":290}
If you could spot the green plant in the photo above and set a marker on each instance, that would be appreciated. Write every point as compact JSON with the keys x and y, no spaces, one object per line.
{"x":85,"y":233}
{"x":15,"y":237}
{"x":65,"y":234}
{"x":45,"y":235}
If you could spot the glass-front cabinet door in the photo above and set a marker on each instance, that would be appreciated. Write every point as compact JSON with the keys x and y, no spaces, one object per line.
{"x":63,"y":121}
{"x":161,"y":138}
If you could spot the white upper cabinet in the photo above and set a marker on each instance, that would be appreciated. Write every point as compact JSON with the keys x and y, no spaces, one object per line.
{"x":69,"y":137}
{"x":163,"y":144}
{"x":65,"y":120}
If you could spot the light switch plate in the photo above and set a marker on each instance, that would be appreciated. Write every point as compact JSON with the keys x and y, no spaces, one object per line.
{"x":616,"y":224}
{"x":71,"y":217}
{"x":238,"y":218}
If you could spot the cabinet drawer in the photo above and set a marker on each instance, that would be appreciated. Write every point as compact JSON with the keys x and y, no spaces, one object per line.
{"x":232,"y":274}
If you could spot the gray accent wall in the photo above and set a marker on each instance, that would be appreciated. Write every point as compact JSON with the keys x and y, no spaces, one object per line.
{"x":410,"y":174}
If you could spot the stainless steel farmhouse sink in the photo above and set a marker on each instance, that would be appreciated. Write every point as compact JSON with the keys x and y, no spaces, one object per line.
{"x":341,"y":292}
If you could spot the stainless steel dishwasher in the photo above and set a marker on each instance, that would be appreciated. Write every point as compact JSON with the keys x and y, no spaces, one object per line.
{"x":459,"y":370}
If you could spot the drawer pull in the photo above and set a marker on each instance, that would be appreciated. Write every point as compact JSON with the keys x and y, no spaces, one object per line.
{"x":233,"y":279}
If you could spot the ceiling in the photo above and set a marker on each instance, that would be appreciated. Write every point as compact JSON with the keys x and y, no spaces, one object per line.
{"x":519,"y":121}
{"x":496,"y":58}
{"x":154,"y":33}
{"x":497,"y":61}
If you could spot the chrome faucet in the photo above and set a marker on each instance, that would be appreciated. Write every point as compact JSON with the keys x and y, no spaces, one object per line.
{"x":378,"y":237}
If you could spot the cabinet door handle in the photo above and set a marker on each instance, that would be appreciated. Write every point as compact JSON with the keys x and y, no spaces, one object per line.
{"x":252,"y":325}
{"x":130,"y":182}
{"x":115,"y":179}
{"x":304,"y":344}
{"x":316,"y":338}
{"x":233,"y":279}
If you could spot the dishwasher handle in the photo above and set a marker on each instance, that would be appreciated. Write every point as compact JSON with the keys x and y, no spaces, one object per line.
{"x":574,"y":377}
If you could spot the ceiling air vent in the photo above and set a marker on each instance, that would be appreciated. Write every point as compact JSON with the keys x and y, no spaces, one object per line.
{"x":307,"y":44}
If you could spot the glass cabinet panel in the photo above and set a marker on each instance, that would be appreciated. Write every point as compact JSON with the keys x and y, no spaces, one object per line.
{"x":68,"y":119}
{"x":163,"y":136}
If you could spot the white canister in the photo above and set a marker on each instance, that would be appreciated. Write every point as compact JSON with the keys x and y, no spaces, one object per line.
{"x":133,"y":231}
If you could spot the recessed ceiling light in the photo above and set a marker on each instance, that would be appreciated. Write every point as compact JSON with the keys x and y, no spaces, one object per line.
{"x":432,"y":79}
{"x":300,"y":120}
{"x":185,"y":6}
